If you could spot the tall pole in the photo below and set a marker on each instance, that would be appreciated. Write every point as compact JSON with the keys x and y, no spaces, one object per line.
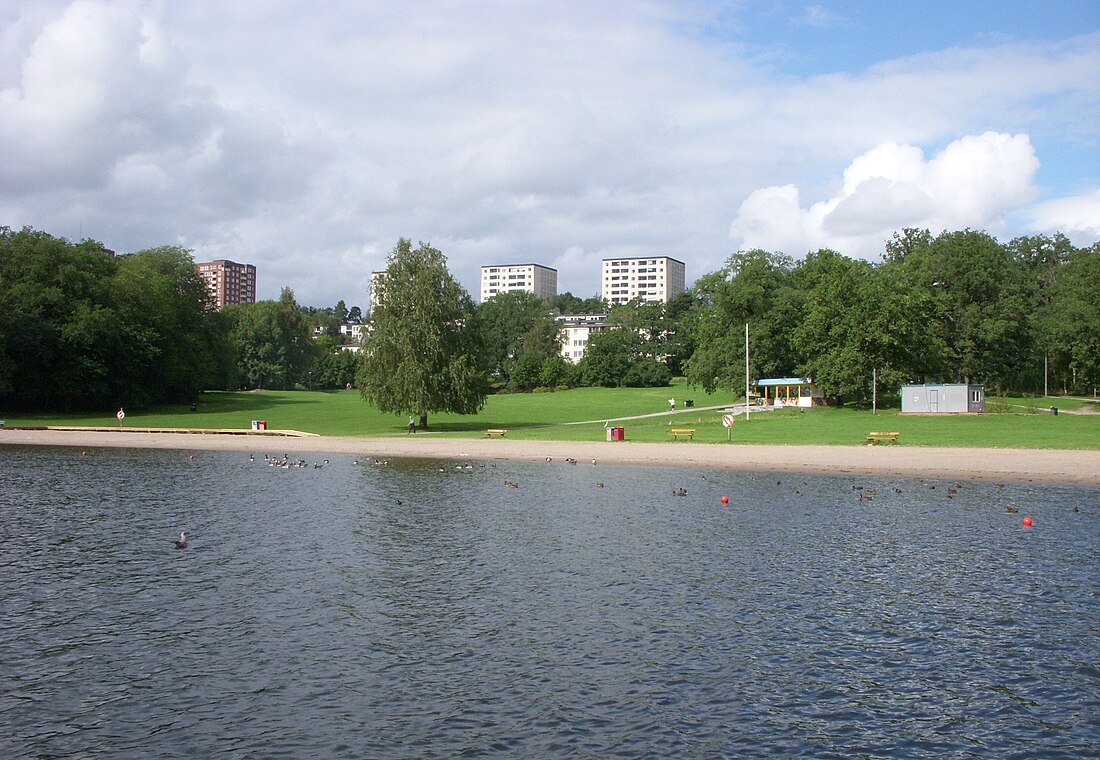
{"x":746,"y":372}
{"x":1046,"y":392}
{"x":874,"y":390}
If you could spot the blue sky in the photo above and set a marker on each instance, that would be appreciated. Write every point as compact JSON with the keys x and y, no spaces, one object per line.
{"x":307,"y":139}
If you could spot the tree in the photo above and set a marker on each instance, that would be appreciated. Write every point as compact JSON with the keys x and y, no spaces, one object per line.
{"x":609,"y":356}
{"x":423,"y":348}
{"x":974,"y":299}
{"x":554,"y":371}
{"x":1073,"y":321}
{"x":171,"y":345}
{"x":273,"y":343}
{"x":647,"y":373}
{"x":80,"y":328}
{"x":755,"y":287}
{"x":840,"y":350}
{"x":567,"y":303}
{"x":515,"y":323}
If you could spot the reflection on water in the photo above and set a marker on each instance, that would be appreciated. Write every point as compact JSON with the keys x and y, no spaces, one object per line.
{"x":419,"y":609}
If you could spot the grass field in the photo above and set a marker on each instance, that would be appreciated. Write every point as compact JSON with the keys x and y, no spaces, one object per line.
{"x":1020,"y":422}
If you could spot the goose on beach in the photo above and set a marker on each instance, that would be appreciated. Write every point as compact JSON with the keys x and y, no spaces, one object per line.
{"x":181,"y":543}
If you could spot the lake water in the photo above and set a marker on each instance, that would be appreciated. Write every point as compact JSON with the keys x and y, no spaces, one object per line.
{"x":412,"y":609}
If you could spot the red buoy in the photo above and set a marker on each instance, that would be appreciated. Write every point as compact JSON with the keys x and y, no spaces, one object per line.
{"x":725,"y":500}
{"x":1027,"y":522}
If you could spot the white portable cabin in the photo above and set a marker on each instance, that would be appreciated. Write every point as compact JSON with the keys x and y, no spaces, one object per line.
{"x":937,"y":398}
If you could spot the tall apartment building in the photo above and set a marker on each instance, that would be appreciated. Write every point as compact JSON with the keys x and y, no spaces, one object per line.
{"x":505,"y":278}
{"x":648,"y":279}
{"x":229,"y":282}
{"x":376,"y":281}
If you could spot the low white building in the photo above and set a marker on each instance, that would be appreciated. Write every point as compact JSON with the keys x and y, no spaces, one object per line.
{"x":943,"y":398}
{"x":575,"y":331}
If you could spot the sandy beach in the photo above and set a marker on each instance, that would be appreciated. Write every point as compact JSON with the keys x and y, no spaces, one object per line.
{"x":997,"y":465}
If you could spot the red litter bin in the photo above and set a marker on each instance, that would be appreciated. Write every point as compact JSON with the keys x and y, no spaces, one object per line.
{"x":618,"y":434}
{"x":262,"y":424}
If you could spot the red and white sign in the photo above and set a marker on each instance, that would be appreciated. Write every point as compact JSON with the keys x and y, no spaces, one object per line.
{"x":121,"y":415}
{"x":727,"y":420}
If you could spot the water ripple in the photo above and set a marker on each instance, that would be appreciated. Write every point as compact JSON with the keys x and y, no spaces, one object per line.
{"x":415,"y":610}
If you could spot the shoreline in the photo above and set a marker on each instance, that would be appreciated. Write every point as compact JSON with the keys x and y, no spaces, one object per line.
{"x":1045,"y":466}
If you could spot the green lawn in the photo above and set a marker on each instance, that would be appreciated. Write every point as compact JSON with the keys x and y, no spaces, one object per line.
{"x":1024,"y":422}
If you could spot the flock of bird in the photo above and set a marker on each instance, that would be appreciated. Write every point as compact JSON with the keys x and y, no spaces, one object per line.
{"x":863,"y":494}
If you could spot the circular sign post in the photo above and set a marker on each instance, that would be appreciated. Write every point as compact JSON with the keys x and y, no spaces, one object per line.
{"x":727,"y":421}
{"x":121,"y":416}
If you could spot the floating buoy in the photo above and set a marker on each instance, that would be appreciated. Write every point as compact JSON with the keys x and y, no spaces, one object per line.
{"x":1027,"y":522}
{"x":725,"y":500}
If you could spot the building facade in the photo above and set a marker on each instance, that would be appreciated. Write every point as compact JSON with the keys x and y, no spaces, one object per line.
{"x":376,"y":281}
{"x":645,"y":279}
{"x":508,"y":278}
{"x":229,"y":282}
{"x":575,"y":331}
{"x":934,"y":398}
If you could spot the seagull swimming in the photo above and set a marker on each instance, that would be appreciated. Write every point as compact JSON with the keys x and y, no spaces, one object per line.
{"x":182,"y":542}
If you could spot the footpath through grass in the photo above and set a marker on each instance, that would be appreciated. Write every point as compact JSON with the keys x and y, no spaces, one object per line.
{"x":1021,"y":423}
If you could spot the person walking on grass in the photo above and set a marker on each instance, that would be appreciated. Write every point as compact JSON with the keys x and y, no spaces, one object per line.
{"x":412,"y":425}
{"x":672,"y":405}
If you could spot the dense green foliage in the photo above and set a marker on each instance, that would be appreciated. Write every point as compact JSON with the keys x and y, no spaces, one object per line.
{"x":423,"y":350}
{"x":80,"y":328}
{"x":519,"y":334}
{"x":273,"y":344}
{"x":956,"y":307}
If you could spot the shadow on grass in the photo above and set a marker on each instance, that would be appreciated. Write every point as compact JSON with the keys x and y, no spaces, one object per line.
{"x":483,"y":425}
{"x":230,"y":402}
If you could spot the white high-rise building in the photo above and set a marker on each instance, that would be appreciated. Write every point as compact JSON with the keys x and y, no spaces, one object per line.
{"x":506,"y":278}
{"x":658,"y":278}
{"x":376,"y":281}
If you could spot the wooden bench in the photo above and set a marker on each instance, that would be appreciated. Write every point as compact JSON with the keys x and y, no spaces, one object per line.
{"x":679,"y":433}
{"x":883,"y":437}
{"x":495,"y":431}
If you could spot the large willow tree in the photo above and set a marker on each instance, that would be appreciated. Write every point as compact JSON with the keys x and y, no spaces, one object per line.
{"x":423,"y":352}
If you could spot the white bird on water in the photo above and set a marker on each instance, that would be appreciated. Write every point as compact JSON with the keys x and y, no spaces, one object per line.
{"x":182,"y":542}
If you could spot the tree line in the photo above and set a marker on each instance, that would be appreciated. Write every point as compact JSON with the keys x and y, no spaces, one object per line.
{"x":82,"y":329}
{"x":954,"y":307}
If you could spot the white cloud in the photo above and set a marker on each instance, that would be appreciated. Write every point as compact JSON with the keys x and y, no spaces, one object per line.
{"x":1077,"y":216}
{"x":306,"y":140}
{"x":974,"y":182}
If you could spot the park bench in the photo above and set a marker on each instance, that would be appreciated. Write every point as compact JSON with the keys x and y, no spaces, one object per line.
{"x":679,"y":433}
{"x":883,"y":437}
{"x":495,"y":431}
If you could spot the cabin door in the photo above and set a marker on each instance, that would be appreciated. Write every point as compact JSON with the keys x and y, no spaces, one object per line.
{"x":933,"y":399}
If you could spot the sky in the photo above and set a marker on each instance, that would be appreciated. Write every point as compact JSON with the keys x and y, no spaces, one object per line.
{"x":307,"y":138}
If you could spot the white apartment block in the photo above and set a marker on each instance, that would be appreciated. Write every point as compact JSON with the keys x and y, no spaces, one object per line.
{"x":376,"y":279}
{"x":575,"y":331}
{"x":648,"y":279}
{"x":507,"y":278}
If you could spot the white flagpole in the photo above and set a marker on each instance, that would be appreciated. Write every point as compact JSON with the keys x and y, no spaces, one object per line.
{"x":746,"y":372}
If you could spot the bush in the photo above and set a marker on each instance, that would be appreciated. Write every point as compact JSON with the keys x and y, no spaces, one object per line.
{"x":647,"y":373}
